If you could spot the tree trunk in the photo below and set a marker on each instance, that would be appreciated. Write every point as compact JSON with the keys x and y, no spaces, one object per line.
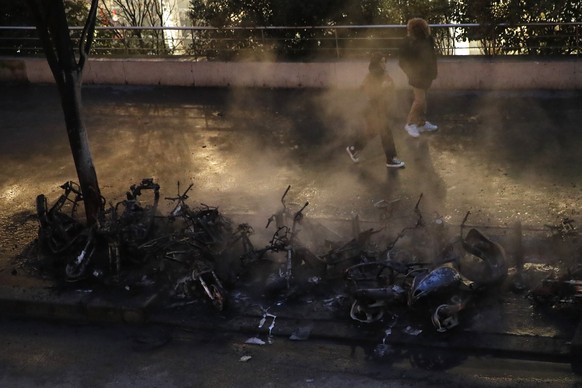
{"x":52,"y":27}
{"x":78,"y":140}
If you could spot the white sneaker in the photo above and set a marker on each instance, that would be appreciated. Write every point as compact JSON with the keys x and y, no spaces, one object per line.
{"x":354,"y":154}
{"x":412,"y":130}
{"x":428,"y":127}
{"x":395,"y":163}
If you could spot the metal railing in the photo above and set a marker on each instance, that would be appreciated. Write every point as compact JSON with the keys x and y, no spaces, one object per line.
{"x":308,"y":42}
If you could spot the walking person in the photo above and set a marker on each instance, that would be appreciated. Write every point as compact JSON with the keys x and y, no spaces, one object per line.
{"x":377,"y":86}
{"x":418,"y":60}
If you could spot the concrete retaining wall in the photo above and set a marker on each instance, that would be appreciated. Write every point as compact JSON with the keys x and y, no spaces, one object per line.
{"x":462,"y":73}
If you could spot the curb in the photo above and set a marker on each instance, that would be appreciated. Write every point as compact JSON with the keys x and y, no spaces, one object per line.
{"x":79,"y":305}
{"x":514,"y":346}
{"x":83,"y":306}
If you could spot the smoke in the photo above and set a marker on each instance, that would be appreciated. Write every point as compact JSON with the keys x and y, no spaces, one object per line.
{"x":241,"y":148}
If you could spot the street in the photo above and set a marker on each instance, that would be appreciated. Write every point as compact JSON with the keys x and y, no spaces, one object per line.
{"x":47,"y":354}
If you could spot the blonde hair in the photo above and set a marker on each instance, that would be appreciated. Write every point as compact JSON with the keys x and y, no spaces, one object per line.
{"x":418,"y":28}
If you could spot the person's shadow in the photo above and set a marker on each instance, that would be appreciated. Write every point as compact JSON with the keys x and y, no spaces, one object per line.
{"x":419,"y":176}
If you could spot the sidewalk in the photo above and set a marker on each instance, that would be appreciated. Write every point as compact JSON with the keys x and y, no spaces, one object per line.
{"x":504,"y":157}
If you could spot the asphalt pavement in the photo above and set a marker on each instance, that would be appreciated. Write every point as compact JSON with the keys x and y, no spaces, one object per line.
{"x":499,"y":160}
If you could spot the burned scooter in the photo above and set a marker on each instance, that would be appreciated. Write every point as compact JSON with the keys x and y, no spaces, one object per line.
{"x":444,"y":289}
{"x":95,"y":250}
{"x":286,"y":261}
{"x":61,"y":231}
{"x":454,"y":286}
{"x":187,"y":252}
{"x":59,"y":226}
{"x":121,"y":229}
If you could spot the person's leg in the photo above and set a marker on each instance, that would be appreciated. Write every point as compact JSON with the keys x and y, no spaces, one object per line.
{"x":388,"y":143}
{"x":360,"y":139}
{"x":427,"y":126}
{"x":415,"y":120}
{"x":416,"y":115}
{"x":389,"y":147}
{"x":424,"y":110}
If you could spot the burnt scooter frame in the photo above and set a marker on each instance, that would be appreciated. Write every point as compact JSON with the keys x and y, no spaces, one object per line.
{"x":370,"y":302}
{"x":377,"y":284}
{"x":202,"y":273}
{"x":59,"y":229}
{"x":493,"y":255}
{"x":122,"y":232}
{"x":63,"y":233}
{"x":284,"y":238}
{"x":445,"y":316}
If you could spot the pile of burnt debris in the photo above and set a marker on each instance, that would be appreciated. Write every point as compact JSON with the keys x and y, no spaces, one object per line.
{"x":196,"y":254}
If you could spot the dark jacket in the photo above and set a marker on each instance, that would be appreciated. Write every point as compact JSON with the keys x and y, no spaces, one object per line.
{"x":417,"y":58}
{"x":377,"y":88}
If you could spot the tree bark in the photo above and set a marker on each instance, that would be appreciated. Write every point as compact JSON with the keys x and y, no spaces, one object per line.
{"x":79,"y":143}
